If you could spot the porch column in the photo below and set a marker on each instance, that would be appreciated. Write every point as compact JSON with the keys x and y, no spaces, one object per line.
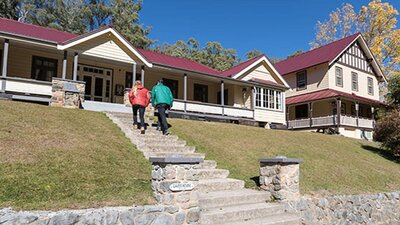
{"x":142,"y":75}
{"x":184,"y":91}
{"x":338,"y":112}
{"x":5,"y":64}
{"x":75,"y":72}
{"x":357,"y":106}
{"x":310,"y":112}
{"x":64,"y":69}
{"x":133,"y":72}
{"x":222,"y":96}
{"x":373,"y":116}
{"x":253,"y":100}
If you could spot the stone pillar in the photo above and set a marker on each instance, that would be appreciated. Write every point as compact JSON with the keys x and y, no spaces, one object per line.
{"x":174,"y":181}
{"x":67,"y":93}
{"x":280,"y":177}
{"x":127,"y":103}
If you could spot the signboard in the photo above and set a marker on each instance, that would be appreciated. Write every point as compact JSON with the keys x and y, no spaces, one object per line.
{"x":183,"y":186}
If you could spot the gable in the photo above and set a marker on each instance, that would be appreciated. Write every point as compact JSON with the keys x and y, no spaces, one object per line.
{"x":355,"y":57}
{"x":105,"y":47}
{"x":261,"y":72}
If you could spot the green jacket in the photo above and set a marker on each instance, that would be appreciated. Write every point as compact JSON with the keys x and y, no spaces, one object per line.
{"x":161,"y":94}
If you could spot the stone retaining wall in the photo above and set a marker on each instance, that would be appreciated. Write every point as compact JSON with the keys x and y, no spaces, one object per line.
{"x":371,"y":209}
{"x":138,"y":215}
{"x":67,"y":93}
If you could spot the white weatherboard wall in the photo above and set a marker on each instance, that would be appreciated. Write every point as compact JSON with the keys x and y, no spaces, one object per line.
{"x":362,"y":82}
{"x":268,"y":115}
{"x":106,"y":48}
{"x":262,"y":73}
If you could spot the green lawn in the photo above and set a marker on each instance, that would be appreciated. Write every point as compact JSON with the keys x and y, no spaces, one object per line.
{"x":332,"y":164}
{"x":54,"y":158}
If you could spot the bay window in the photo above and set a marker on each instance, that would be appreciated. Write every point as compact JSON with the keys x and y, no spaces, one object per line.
{"x":268,"y":99}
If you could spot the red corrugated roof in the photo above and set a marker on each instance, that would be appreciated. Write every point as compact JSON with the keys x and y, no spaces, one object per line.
{"x":60,"y":37}
{"x":236,"y":69}
{"x":33,"y":31}
{"x":176,"y":62}
{"x":323,"y":94}
{"x":323,"y":54}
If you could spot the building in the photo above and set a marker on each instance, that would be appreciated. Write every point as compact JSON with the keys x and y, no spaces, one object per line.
{"x":334,"y":88}
{"x":31,"y":56}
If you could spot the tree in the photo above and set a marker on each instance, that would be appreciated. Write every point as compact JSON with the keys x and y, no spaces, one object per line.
{"x":98,"y":13}
{"x":387,"y":132}
{"x":253,"y":53}
{"x":377,"y":22}
{"x":298,"y":52}
{"x":9,"y":9}
{"x":393,"y":95}
{"x":213,"y":54}
{"x":125,"y":17}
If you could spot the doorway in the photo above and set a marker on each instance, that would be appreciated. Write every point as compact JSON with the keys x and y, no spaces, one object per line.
{"x":98,"y":82}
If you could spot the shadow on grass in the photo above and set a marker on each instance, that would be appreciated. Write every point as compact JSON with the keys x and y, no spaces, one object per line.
{"x":256,"y":180}
{"x":381,"y":152}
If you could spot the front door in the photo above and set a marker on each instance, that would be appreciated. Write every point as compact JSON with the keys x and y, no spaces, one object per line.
{"x":98,"y":82}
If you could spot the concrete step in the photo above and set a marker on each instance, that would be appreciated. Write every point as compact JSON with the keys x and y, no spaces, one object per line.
{"x":232,"y":197}
{"x":279,"y":219}
{"x":163,"y":142}
{"x":208,"y":185}
{"x":153,"y":139}
{"x":213,"y":173}
{"x":208,"y":164}
{"x":172,"y":154}
{"x":235,"y":213}
{"x":160,"y":141}
{"x":166,"y":148}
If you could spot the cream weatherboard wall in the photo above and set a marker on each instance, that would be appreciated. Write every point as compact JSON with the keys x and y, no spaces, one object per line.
{"x":347,"y":83}
{"x":261,"y":72}
{"x":317,"y":79}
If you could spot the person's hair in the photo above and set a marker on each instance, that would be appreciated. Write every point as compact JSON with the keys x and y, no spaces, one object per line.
{"x":137,"y":83}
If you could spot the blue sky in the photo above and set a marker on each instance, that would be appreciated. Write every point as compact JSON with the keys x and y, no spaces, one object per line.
{"x":275,"y":27}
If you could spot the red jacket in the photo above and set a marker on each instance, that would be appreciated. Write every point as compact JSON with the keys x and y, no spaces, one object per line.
{"x":142,"y":97}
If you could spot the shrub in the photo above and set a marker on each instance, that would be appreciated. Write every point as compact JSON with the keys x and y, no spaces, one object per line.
{"x":387,"y":131}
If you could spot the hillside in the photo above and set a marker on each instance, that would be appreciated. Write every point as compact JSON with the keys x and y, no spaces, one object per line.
{"x":56,"y":158}
{"x":332,"y":164}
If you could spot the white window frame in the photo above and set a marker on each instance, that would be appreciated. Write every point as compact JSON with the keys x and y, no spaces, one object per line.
{"x":339,"y":76}
{"x":354,"y":81}
{"x":265,"y":95}
{"x":370,"y":85}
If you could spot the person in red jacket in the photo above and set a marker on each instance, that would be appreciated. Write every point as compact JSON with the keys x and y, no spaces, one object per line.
{"x":139,"y":97}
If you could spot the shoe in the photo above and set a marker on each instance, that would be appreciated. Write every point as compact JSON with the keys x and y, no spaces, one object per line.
{"x":166,"y":133}
{"x":142,"y":130}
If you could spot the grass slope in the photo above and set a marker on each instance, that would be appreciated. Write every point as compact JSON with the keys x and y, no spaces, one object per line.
{"x":55,"y":158}
{"x":332,"y":164}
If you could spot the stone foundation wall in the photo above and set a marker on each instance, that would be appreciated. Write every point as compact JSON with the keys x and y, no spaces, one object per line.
{"x":138,"y":215}
{"x":67,"y":93}
{"x":368,"y":209}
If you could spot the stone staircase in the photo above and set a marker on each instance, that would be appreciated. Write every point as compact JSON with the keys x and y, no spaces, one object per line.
{"x":222,"y":200}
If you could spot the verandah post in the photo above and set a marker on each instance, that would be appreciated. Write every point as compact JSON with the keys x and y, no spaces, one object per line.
{"x":133,"y":72}
{"x":5,"y":63}
{"x":222,"y":96}
{"x":184,"y":91}
{"x":75,"y":73}
{"x":142,"y":75}
{"x":64,"y":69}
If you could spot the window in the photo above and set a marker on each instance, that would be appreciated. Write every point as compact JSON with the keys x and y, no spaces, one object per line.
{"x":278,"y":99}
{"x":258,"y":97}
{"x":271,"y":99}
{"x":200,"y":92}
{"x":339,"y":77}
{"x":43,"y":68}
{"x":173,"y":86}
{"x":370,"y":86}
{"x":129,"y":78}
{"x":268,"y":99}
{"x":301,"y":111}
{"x":354,"y":81}
{"x":302,"y":80}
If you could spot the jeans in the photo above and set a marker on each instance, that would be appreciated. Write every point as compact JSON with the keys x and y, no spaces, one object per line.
{"x":162,"y":117}
{"x":141,"y":109}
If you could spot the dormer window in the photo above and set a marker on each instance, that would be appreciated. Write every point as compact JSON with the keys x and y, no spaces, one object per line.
{"x":302,"y":80}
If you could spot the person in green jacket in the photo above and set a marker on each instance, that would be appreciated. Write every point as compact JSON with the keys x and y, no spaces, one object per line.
{"x":162,"y":100}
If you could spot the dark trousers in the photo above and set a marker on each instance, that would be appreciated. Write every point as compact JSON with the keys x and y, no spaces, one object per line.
{"x":141,"y":109}
{"x":162,"y":117}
